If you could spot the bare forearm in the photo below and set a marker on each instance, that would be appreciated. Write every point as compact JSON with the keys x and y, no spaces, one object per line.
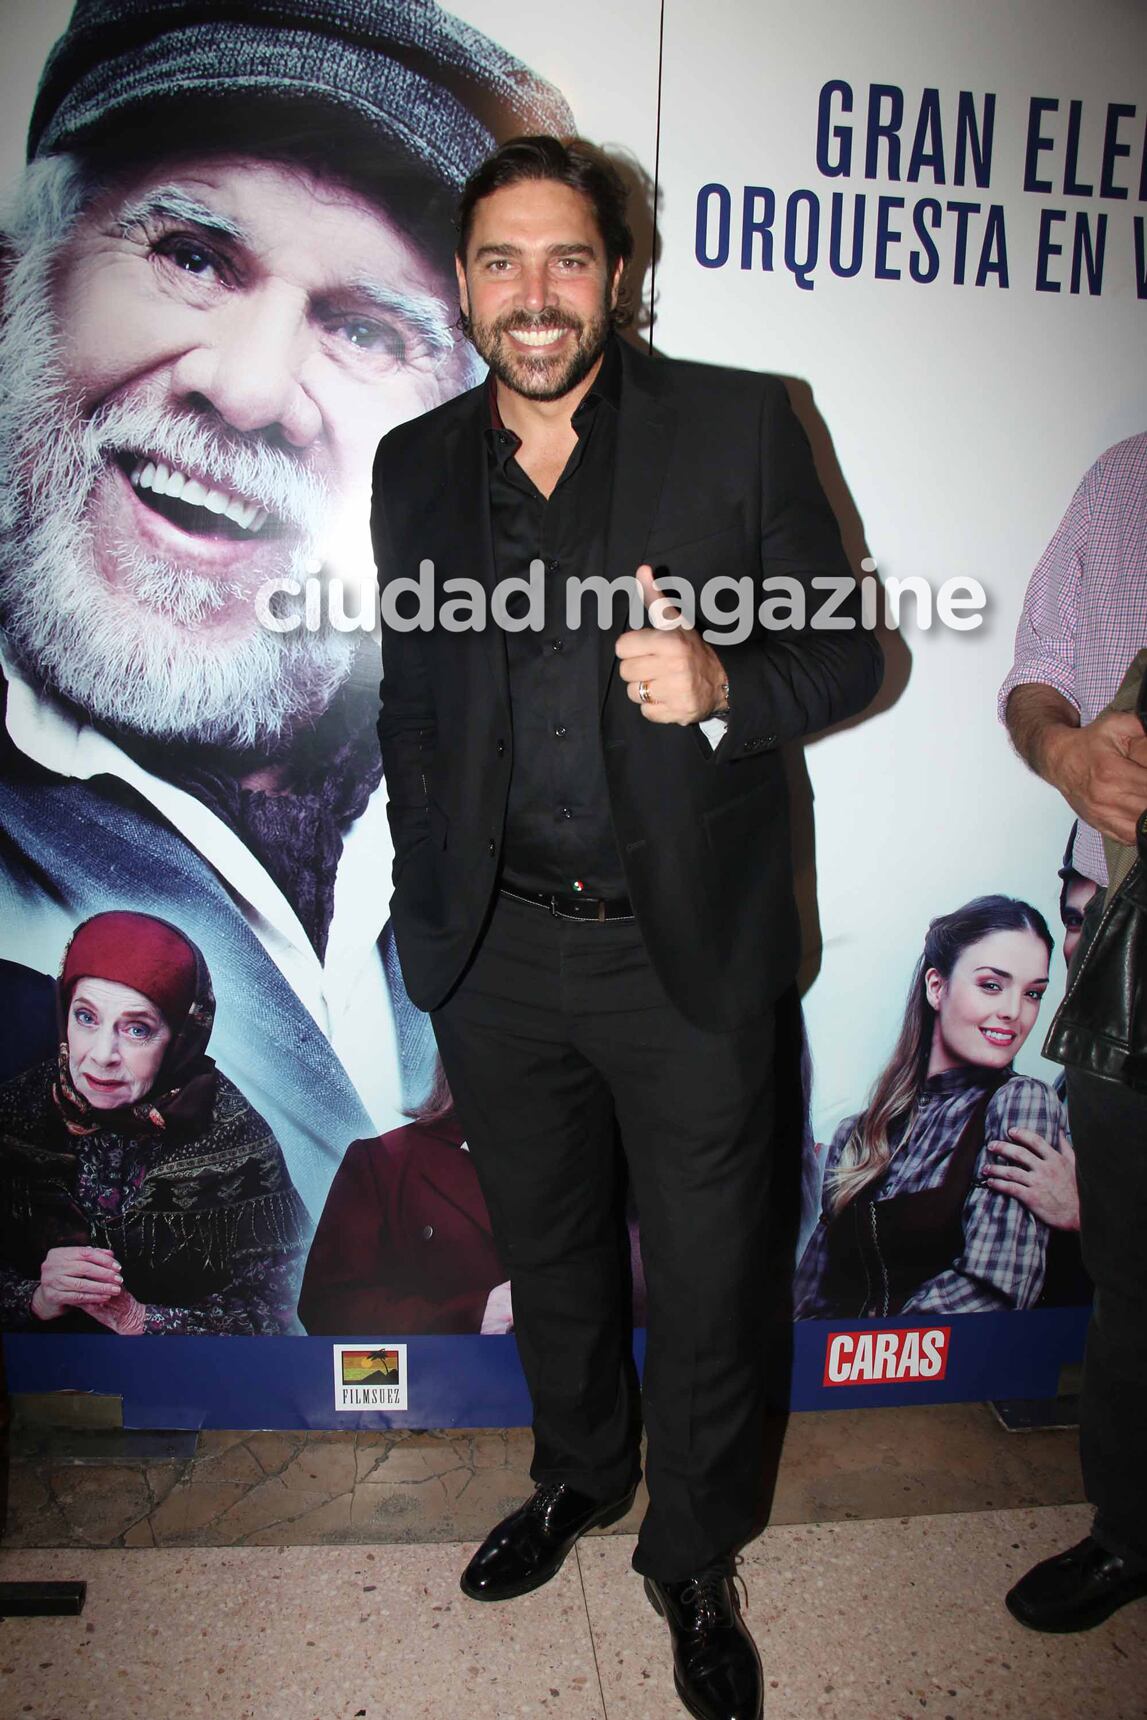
{"x":1100,"y":767}
{"x":1037,"y":718}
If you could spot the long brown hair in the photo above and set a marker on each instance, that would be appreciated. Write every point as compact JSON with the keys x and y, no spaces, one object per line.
{"x":438,"y":1104}
{"x":869,"y":1148}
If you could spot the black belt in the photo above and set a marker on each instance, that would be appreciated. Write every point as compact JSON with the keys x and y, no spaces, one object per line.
{"x":571,"y":906}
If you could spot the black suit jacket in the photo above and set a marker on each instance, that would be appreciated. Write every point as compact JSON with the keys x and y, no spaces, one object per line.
{"x":713,"y":476}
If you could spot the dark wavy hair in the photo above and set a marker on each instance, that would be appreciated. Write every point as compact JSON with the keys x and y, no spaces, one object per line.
{"x":572,"y":162}
{"x":869,"y":1147}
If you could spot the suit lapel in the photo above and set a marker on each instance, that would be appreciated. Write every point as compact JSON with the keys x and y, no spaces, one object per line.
{"x":465,"y":504}
{"x":644,"y":437}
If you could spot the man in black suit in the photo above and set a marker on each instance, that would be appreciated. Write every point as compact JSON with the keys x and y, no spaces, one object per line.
{"x":592,"y":873}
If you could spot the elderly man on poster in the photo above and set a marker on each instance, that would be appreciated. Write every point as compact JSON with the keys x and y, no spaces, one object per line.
{"x":226,"y":273}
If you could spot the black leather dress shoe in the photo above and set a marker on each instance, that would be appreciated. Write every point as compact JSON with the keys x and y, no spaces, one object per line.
{"x":1075,"y":1590}
{"x":716,"y":1667}
{"x":527,"y":1548}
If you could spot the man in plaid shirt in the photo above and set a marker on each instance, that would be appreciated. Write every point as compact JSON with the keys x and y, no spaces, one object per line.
{"x":1084,"y":619}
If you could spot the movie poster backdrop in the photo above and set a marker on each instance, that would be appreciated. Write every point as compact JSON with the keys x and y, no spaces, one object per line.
{"x":220,"y":1114}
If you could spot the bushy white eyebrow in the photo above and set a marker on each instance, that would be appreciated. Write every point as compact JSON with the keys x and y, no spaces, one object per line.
{"x":169,"y":202}
{"x":426,"y":316}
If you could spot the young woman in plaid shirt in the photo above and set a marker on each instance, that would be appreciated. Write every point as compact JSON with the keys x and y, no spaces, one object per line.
{"x":908,"y":1223}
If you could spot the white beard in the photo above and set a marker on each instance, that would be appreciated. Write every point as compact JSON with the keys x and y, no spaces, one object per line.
{"x":133,"y":657}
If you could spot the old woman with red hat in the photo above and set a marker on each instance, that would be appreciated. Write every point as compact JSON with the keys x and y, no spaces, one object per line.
{"x":141,"y":1192}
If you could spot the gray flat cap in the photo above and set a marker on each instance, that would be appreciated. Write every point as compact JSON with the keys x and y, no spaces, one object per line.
{"x":403,"y":71}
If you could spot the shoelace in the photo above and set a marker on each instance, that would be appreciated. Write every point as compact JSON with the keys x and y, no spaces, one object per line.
{"x":541,"y":1501}
{"x":705,"y":1596}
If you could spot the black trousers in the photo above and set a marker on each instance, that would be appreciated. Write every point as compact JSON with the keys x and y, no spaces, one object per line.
{"x":1109,"y":1133}
{"x":559,"y":1042}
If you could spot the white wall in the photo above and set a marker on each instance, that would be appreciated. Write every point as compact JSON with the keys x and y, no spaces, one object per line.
{"x":962,"y":419}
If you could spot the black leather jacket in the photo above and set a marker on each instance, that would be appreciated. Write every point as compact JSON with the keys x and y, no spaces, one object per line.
{"x":1101,"y":1025}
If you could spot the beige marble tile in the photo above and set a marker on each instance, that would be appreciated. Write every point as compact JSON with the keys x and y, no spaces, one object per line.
{"x":918,"y":1459}
{"x":270,"y":1511}
{"x":453,"y":1484}
{"x":267,"y":1488}
{"x":216,"y":1441}
{"x":321,"y":1467}
{"x":272,"y":1451}
{"x":885,"y":1621}
{"x":325,"y":1523}
{"x":34,"y":1517}
{"x":366,"y":1459}
{"x":294,"y":1634}
{"x":162,"y":1481}
{"x":100,"y":1504}
{"x":492,"y":1450}
{"x":856,"y":1621}
{"x":417,"y":1460}
{"x":455,"y":1506}
{"x":193,"y":1505}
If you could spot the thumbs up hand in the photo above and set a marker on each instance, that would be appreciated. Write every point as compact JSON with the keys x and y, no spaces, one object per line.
{"x":668,"y":669}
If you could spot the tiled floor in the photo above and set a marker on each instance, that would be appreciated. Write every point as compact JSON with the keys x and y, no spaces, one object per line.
{"x":272,"y":1576}
{"x":109,"y":1488}
{"x":879,"y":1620}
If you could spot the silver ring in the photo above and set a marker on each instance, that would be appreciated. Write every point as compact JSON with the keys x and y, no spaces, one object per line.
{"x":643,"y":691}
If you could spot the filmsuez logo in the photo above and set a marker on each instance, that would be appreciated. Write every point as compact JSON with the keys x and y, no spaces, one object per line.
{"x":370,"y":1376}
{"x":874,"y":1358}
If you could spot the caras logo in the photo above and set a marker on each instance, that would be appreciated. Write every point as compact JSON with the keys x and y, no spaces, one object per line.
{"x":871,"y":1358}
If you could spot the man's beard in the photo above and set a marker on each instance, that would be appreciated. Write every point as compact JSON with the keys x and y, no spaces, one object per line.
{"x":539,"y":378}
{"x":141,"y":656}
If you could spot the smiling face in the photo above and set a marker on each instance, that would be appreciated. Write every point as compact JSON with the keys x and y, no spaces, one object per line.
{"x":230,"y":338}
{"x":987,"y":1006}
{"x":537,"y":288}
{"x":116,"y":1043}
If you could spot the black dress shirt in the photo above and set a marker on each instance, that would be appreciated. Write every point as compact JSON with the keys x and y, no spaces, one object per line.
{"x":559,"y":833}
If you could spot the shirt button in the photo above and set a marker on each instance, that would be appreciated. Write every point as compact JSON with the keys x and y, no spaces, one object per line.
{"x":427,"y":1232}
{"x":560,"y":733}
{"x":552,"y":566}
{"x":501,"y":749}
{"x":557,"y":644}
{"x":564,"y":812}
{"x":492,"y":847}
